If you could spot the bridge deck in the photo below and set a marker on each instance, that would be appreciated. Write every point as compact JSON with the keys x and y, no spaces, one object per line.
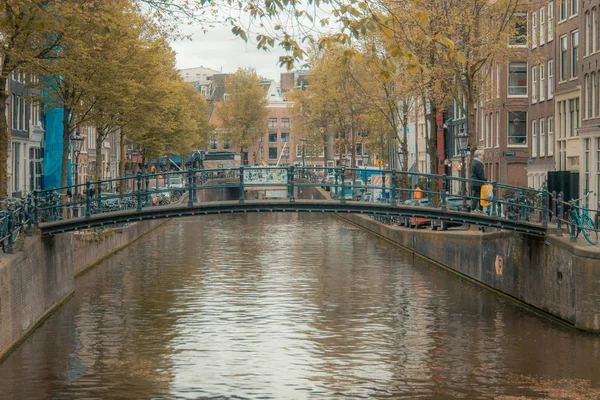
{"x":251,"y":206}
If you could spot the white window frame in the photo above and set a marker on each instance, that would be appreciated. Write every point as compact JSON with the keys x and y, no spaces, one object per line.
{"x":588,"y":32}
{"x":542,"y":23}
{"x":542,"y":128}
{"x":550,"y":70}
{"x":550,"y":21}
{"x":534,"y":30}
{"x":534,"y":84}
{"x":508,"y":87}
{"x":563,"y":63}
{"x":594,"y":82}
{"x":563,"y":10}
{"x":595,"y":32}
{"x":550,"y":122}
{"x":497,"y":129}
{"x":534,"y":138}
{"x":525,"y":123}
{"x":542,"y":81}
{"x":574,"y":8}
{"x":588,"y":100}
{"x":498,"y":76}
{"x":575,"y":54}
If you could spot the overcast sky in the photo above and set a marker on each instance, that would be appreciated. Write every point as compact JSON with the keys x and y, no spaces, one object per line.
{"x":219,"y":48}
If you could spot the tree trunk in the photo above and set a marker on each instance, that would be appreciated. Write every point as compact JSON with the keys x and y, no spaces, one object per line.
{"x":4,"y":138}
{"x":122,"y":162}
{"x":99,"y":140}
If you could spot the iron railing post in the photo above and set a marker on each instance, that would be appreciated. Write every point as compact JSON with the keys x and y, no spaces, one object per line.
{"x":443,"y":194}
{"x":291,"y":184}
{"x":10,"y":242}
{"x":29,"y":205}
{"x":88,"y":199}
{"x":559,"y":215}
{"x":147,"y":188}
{"x":190,"y":188}
{"x":139,"y":192}
{"x":522,"y":209}
{"x":241,"y":184}
{"x":494,"y":211}
{"x":553,"y":210}
{"x":429,"y":187}
{"x":194,"y":182}
{"x":383,"y":186}
{"x":393,"y":193}
{"x":99,"y":184}
{"x":343,"y":193}
{"x":36,"y":208}
{"x":336,"y":174}
{"x":545,"y":208}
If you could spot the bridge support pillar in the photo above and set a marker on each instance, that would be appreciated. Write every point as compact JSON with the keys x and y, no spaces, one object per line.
{"x":242,"y":185}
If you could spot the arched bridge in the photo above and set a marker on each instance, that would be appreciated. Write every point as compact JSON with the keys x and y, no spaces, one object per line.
{"x":409,"y":198}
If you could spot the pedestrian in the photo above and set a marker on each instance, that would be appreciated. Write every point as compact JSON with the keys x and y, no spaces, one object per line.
{"x":92,"y":192}
{"x":477,"y":173}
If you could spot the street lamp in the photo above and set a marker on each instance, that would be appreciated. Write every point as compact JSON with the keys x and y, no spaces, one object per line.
{"x":462,"y":141}
{"x":77,"y":145}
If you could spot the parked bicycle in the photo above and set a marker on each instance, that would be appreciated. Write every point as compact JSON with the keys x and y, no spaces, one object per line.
{"x":582,"y":221}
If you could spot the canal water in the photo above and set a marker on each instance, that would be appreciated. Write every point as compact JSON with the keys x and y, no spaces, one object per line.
{"x":290,"y":307}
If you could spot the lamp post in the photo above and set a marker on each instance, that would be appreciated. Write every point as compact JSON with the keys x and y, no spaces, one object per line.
{"x":77,"y":145}
{"x":462,"y":141}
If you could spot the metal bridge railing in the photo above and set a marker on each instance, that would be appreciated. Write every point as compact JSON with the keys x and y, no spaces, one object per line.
{"x":397,"y":188}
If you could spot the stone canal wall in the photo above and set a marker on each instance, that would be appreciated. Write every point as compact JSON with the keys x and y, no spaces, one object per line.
{"x":33,"y":282}
{"x":36,"y":280}
{"x":552,"y":276}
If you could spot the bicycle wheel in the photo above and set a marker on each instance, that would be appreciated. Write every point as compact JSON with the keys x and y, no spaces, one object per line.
{"x":587,"y":228}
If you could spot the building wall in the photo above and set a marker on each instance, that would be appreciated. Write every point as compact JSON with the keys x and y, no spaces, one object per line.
{"x":590,"y":125}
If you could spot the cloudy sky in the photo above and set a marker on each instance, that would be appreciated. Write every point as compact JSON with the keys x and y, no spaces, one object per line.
{"x":219,"y":48}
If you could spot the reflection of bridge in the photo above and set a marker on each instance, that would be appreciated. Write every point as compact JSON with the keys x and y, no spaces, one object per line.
{"x":151,"y":196}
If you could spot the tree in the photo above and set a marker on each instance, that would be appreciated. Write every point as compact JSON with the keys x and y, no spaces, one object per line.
{"x":30,"y":30}
{"x":244,"y":114}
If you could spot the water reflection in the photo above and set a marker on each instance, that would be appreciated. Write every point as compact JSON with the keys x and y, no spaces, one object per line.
{"x":289,"y":307}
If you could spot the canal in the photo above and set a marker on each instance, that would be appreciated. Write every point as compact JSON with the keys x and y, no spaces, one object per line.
{"x":278,"y":306}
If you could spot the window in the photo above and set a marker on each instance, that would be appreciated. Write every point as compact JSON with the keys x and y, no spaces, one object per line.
{"x":285,"y":153}
{"x":594,"y":31}
{"x":563,"y":10}
{"x":534,"y":30}
{"x":542,"y":82}
{"x":213,"y":143}
{"x":17,"y":165}
{"x":542,"y":25}
{"x":550,"y":79}
{"x":534,"y":86}
{"x":542,"y":137}
{"x":226,"y":145}
{"x":574,"y":53}
{"x":550,"y":136}
{"x":550,"y":21}
{"x":586,"y":166}
{"x":517,"y":79}
{"x":285,"y":122}
{"x":572,"y":118}
{"x":587,"y":98}
{"x":534,"y":138}
{"x":272,"y":122}
{"x":359,"y":149}
{"x":497,"y":80}
{"x":272,"y":153}
{"x":497,"y":129}
{"x":272,"y":137}
{"x":226,"y":97}
{"x":261,"y":153}
{"x":594,"y":96}
{"x":15,"y":112}
{"x":588,"y":34}
{"x":520,"y":33}
{"x":574,"y":7}
{"x":285,"y":137}
{"x":298,"y":150}
{"x":517,"y":128}
{"x":564,"y":47}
